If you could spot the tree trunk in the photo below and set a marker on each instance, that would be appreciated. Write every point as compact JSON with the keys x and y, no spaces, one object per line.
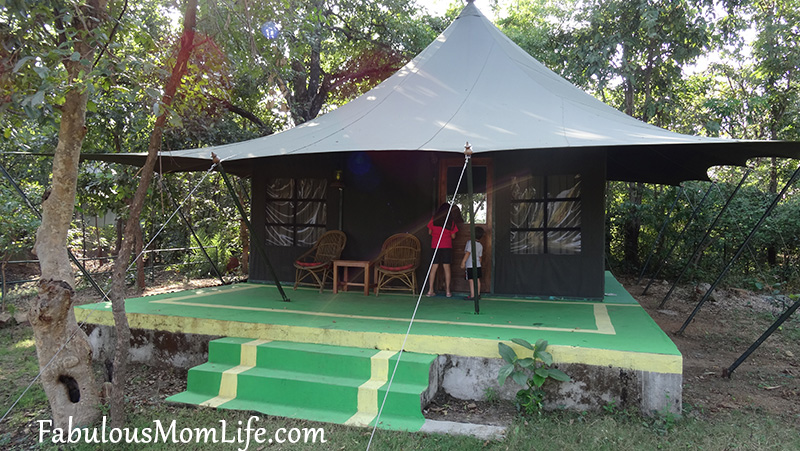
{"x":119,"y":227}
{"x":632,"y":226}
{"x":122,"y":348}
{"x":772,"y":248}
{"x":68,"y":380}
{"x":137,"y":249}
{"x":62,"y":347}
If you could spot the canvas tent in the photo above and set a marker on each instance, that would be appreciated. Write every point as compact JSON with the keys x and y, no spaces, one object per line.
{"x":543,"y":152}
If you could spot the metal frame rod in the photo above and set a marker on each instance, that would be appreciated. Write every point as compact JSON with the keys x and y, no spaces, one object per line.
{"x":171,"y":196}
{"x":678,"y":239}
{"x":729,"y":371}
{"x":699,"y":247}
{"x":39,"y":215}
{"x":667,"y":220}
{"x":741,"y":249}
{"x":259,"y":243}
{"x":474,"y":256}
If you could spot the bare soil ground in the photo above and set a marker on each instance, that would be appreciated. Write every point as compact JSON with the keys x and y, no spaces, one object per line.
{"x":724,"y":328}
{"x":767,"y":382}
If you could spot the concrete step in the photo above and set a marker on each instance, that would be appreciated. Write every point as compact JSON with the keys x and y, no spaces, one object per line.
{"x":316,"y":382}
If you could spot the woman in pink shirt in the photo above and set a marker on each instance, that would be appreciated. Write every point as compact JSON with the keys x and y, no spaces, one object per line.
{"x":442,"y":238}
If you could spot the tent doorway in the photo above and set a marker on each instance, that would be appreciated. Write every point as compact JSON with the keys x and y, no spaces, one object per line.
{"x":449,"y":172}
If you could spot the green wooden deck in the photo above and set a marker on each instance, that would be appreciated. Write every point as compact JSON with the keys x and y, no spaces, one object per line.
{"x":616,"y":331}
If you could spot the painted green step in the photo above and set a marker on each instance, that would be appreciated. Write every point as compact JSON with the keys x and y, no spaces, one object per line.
{"x":310,"y":381}
{"x":316,"y":359}
{"x":284,"y":387}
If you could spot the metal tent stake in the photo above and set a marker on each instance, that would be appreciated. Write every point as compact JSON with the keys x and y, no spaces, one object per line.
{"x":740,"y":250}
{"x":171,"y":196}
{"x":39,"y":215}
{"x":259,"y":243}
{"x":728,"y":371}
{"x":699,"y":247}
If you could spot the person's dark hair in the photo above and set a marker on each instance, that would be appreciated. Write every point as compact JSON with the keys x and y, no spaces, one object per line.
{"x":479,"y":233}
{"x":441,"y":214}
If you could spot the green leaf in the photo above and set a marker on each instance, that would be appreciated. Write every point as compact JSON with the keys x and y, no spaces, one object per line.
{"x":175,"y":121}
{"x":545,"y":357}
{"x":538,"y":380}
{"x":157,"y":109}
{"x":506,"y":352}
{"x":21,"y":63}
{"x":526,"y":362}
{"x":504,"y":372}
{"x":523,"y":343}
{"x":519,"y":377}
{"x":559,"y":375}
{"x":75,"y":56}
{"x":541,"y":345}
{"x":37,"y":98}
{"x":41,"y":71}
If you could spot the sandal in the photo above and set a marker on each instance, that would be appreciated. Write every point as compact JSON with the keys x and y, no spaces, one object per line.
{"x":430,"y":295}
{"x":449,"y":295}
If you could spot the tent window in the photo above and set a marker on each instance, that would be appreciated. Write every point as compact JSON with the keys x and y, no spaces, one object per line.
{"x":546,"y":214}
{"x":296,"y":211}
{"x":479,"y":200}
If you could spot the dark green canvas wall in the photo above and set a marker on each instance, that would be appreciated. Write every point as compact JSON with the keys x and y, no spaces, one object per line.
{"x":390,"y":192}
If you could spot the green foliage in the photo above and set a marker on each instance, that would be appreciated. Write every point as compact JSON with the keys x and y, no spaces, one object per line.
{"x":490,"y":395}
{"x":529,"y":372}
{"x":325,"y":54}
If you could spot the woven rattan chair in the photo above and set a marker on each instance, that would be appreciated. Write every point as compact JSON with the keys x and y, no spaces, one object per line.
{"x":398,"y":260}
{"x":318,"y":261}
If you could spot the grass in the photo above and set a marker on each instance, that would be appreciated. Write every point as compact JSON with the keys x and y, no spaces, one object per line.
{"x":19,"y":366}
{"x":561,"y":431}
{"x":610,"y":429}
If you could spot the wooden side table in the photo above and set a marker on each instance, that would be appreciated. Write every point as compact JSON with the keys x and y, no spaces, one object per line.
{"x":346,"y":265}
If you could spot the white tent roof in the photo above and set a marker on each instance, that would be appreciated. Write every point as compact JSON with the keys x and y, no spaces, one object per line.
{"x":473,"y":84}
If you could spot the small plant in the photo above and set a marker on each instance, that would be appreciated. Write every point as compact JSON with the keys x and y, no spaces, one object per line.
{"x":529,"y":372}
{"x":611,"y":407}
{"x":490,"y":395}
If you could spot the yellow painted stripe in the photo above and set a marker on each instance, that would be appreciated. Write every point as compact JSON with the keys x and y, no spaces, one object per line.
{"x":229,"y":382}
{"x":425,"y":344}
{"x":368,"y":391}
{"x":384,"y":318}
{"x":206,"y":291}
{"x":602,"y":320}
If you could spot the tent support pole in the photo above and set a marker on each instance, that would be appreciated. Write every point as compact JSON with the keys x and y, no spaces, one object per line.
{"x":660,"y":235}
{"x":741,"y":249}
{"x":39,"y":215}
{"x":729,"y":371}
{"x":699,"y":247}
{"x":678,"y":240}
{"x":171,"y":196}
{"x":253,"y":235}
{"x":473,"y":247}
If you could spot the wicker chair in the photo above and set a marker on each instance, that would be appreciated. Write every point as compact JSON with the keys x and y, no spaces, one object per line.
{"x":317,"y":262}
{"x":398,"y":260}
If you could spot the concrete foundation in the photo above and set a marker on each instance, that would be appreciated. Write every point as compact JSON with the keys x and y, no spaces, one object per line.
{"x":470,"y":378}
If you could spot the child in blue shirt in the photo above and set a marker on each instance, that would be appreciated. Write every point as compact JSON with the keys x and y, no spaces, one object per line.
{"x":466,"y":263}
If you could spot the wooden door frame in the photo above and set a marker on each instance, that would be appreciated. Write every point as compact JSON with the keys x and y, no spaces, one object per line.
{"x":487,"y":162}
